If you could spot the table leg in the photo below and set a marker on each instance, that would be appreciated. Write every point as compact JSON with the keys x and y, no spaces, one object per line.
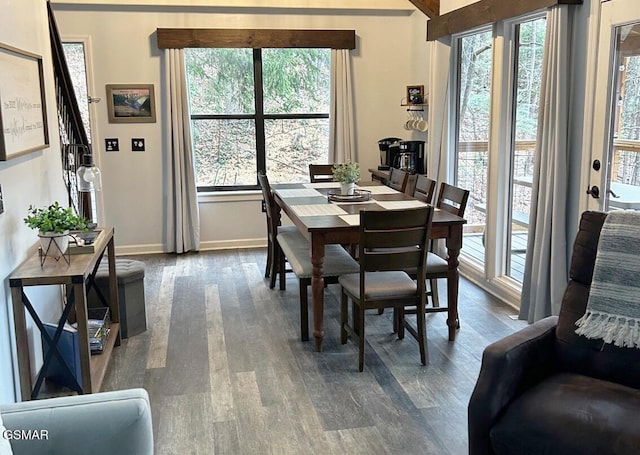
{"x":317,"y":288}
{"x":454,"y":244}
{"x":80,"y":296}
{"x":22,"y":341}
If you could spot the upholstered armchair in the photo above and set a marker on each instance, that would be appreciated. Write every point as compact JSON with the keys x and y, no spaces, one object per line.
{"x":546,"y":390}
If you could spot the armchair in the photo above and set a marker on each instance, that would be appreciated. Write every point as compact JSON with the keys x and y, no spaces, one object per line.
{"x":99,"y":423}
{"x":546,"y":390}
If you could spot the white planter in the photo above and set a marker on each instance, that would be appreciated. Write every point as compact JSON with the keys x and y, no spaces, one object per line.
{"x":54,"y":244}
{"x":347,"y":189}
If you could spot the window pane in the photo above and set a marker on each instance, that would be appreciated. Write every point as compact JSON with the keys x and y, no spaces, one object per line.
{"x":292,"y":145}
{"x":474,"y":108}
{"x":296,"y":80}
{"x":74,"y":55}
{"x":220,"y":81}
{"x":225,"y":152}
{"x":528,"y":78}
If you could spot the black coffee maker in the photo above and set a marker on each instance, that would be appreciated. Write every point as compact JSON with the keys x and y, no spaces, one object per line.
{"x":412,"y":152}
{"x":389,"y":151}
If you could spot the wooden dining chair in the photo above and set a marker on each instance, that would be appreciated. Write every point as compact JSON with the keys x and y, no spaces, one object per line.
{"x":390,"y":242}
{"x":424,"y":189}
{"x":398,"y":179}
{"x":273,"y":229}
{"x":321,"y":173}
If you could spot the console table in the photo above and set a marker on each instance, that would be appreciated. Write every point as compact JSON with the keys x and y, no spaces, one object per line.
{"x":77,"y":277}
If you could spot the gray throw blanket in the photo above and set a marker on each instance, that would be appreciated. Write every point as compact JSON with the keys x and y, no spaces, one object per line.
{"x":613,"y":308}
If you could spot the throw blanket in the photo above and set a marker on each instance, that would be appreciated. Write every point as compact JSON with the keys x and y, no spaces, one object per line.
{"x":613,"y":308}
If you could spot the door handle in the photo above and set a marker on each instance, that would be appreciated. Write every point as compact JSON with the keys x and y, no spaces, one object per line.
{"x":594,"y":191}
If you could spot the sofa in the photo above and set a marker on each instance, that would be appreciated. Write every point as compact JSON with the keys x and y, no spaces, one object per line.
{"x":546,"y":390}
{"x":116,"y":422}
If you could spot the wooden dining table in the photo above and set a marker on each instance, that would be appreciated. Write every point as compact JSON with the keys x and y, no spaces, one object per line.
{"x":324,"y":222}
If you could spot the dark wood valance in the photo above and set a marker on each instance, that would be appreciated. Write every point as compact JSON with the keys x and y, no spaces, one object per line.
{"x":179,"y":38}
{"x":429,"y":7}
{"x":486,"y":12}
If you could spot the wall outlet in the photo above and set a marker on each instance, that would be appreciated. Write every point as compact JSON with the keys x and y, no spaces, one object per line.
{"x":137,"y":144}
{"x":111,"y":144}
{"x":1,"y":201}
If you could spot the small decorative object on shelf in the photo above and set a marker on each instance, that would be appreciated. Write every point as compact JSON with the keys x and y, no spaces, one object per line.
{"x":347,"y":174}
{"x":415,"y":94}
{"x":53,"y":224}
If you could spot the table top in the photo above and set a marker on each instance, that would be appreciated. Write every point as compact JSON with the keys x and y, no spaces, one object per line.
{"x":628,"y":196}
{"x":31,"y":272}
{"x":309,"y":203}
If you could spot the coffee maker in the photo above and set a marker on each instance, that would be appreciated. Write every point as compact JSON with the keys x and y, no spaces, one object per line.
{"x":411,"y":157}
{"x":389,"y":150}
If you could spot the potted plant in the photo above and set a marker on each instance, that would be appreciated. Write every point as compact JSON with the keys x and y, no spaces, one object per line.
{"x":347,"y":174}
{"x":53,"y":224}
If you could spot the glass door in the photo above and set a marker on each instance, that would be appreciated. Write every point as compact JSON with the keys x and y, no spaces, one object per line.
{"x":615,"y":161}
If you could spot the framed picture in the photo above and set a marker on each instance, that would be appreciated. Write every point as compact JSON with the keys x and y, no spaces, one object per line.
{"x":415,"y":94}
{"x":131,"y":103}
{"x":23,"y":114}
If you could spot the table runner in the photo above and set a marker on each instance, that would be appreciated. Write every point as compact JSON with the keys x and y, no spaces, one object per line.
{"x":317,"y":210}
{"x":397,"y":205}
{"x":613,"y":308}
{"x":299,"y":192}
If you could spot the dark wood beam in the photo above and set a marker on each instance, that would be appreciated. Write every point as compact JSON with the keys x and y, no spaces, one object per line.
{"x":429,"y":7}
{"x":485,"y":12}
{"x":179,"y":38}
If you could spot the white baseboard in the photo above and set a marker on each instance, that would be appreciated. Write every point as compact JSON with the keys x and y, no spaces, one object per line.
{"x":210,"y":245}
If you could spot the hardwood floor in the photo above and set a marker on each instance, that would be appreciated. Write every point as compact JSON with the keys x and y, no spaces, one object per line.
{"x":227,"y":373}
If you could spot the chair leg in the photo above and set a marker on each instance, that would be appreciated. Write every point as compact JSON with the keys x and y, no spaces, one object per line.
{"x":344,"y":317}
{"x":268,"y":270}
{"x":361,"y":338}
{"x":275,"y":265}
{"x":399,"y":322}
{"x":380,"y":310}
{"x":422,"y":336}
{"x":304,"y":310}
{"x":281,"y":269}
{"x":433,"y":286}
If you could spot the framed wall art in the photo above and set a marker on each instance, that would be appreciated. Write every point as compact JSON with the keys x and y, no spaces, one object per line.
{"x":415,"y":94}
{"x":131,"y":103}
{"x":23,"y":115}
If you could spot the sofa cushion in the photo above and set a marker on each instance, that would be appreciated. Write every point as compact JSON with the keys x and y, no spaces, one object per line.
{"x":5,"y":446}
{"x":554,"y":417}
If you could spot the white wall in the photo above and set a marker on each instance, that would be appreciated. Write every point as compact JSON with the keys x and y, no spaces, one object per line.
{"x":124,"y":50}
{"x":32,"y":179}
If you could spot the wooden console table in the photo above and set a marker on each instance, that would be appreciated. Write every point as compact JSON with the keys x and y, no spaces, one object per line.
{"x":78,"y":278}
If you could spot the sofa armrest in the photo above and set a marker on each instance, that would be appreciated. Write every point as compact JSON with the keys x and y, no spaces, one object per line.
{"x":100,"y":423}
{"x":509,"y":366}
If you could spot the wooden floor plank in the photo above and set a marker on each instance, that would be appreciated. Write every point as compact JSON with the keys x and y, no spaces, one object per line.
{"x":227,"y":373}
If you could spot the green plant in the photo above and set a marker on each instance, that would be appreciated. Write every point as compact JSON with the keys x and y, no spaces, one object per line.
{"x":54,"y":218}
{"x":348,"y":172}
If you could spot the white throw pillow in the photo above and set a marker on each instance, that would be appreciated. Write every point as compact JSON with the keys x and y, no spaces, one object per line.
{"x":5,"y":447}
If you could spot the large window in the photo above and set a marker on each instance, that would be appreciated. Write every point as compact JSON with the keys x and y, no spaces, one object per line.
{"x":257,"y":109}
{"x":497,"y":87}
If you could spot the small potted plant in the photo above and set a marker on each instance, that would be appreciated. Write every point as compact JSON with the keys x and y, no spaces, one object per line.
{"x":347,"y":174}
{"x":53,"y":224}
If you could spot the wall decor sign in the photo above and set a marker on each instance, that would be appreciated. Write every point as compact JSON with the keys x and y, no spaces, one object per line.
{"x":415,"y":94}
{"x":23,"y":116}
{"x":131,"y":103}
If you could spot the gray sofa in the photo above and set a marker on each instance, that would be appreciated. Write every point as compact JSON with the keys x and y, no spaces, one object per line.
{"x":99,"y":423}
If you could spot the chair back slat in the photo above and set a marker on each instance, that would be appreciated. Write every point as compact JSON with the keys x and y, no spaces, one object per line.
{"x":425,"y":188}
{"x":394,"y":240}
{"x":269,"y":202}
{"x":321,"y":173}
{"x":452,"y":199}
{"x":398,"y":179}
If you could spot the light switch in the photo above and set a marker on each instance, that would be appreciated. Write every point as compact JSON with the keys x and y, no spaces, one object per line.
{"x":137,"y":144}
{"x":111,"y":144}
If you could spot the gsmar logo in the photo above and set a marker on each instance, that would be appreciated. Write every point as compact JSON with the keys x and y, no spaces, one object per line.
{"x":25,"y":434}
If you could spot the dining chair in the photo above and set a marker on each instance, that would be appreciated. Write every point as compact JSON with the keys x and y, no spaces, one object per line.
{"x":321,"y":173}
{"x":273,"y":230}
{"x":424,"y":189}
{"x":389,"y":244}
{"x":451,"y":199}
{"x":397,"y":179}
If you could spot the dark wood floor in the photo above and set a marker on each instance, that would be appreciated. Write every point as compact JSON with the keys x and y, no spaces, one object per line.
{"x":227,"y":373}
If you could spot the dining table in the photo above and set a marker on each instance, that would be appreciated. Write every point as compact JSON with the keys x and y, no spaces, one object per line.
{"x":324,"y":221}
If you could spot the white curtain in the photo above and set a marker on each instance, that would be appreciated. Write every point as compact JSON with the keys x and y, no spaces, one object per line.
{"x":439,"y":101}
{"x":545,"y":274}
{"x":342,"y":146}
{"x":182,"y":221}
